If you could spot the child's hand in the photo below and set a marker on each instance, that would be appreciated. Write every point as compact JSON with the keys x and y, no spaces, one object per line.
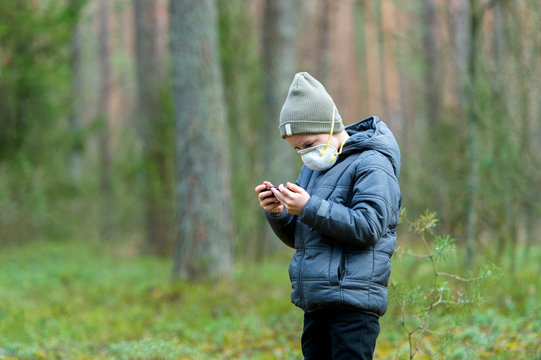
{"x":293,"y":197}
{"x":267,"y":199}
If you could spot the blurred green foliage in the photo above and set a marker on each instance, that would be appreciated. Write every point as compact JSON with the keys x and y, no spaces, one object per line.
{"x":35,"y":140}
{"x":34,"y":75}
{"x":81,"y":300}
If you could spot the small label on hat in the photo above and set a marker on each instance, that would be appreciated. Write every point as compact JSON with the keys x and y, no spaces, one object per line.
{"x":288,"y":129}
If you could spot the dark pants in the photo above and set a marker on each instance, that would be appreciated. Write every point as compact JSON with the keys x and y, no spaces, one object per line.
{"x":339,"y":334}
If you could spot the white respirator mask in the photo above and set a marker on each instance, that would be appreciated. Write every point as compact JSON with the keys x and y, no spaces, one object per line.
{"x":321,"y":157}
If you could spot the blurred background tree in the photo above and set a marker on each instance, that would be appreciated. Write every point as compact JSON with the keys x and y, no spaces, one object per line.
{"x":203,"y":184}
{"x":154,"y":127}
{"x":88,"y":144}
{"x":278,"y":58}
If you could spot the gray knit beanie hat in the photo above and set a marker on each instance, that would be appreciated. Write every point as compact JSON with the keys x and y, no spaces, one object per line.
{"x":308,"y":108}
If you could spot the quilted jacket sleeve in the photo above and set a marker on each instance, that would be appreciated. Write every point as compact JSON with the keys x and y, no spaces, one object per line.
{"x":283,"y":226}
{"x":374,"y":207}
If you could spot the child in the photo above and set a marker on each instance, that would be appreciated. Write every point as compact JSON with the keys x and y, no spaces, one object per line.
{"x":340,"y":216}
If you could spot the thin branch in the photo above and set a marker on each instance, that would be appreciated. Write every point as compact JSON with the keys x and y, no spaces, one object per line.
{"x":456,"y":277}
{"x":449,"y":302}
{"x":420,"y":256}
{"x":433,"y":332}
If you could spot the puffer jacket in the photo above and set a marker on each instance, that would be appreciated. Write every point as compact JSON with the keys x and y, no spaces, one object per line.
{"x":345,"y":236}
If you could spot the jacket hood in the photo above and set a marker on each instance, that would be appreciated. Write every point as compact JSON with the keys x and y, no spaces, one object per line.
{"x":373,"y":134}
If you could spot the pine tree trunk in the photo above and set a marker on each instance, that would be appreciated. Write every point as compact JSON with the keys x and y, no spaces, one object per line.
{"x":432,"y":82}
{"x":459,"y":23}
{"x":432,"y":97}
{"x":381,"y":57}
{"x":279,"y":68}
{"x":473,"y":140}
{"x":203,"y":245}
{"x":154,"y":173}
{"x":359,"y":22}
{"x":103,"y":115}
{"x":77,"y":96}
{"x":324,"y":56}
{"x":530,"y":208}
{"x":501,"y":121}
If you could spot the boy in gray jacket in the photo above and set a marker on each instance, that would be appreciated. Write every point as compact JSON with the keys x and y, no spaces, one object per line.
{"x":341,"y":217}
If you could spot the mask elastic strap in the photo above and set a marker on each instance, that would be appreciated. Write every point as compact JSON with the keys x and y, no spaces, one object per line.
{"x":330,"y":135}
{"x":339,"y":152}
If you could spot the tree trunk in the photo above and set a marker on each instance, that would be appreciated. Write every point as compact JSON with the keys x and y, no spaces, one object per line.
{"x":381,"y":56}
{"x":432,"y":90}
{"x":473,"y":176}
{"x":278,"y":72}
{"x":530,"y":208}
{"x":241,"y":55}
{"x":432,"y":83}
{"x":76,"y":105}
{"x":473,"y":139}
{"x":203,"y":245}
{"x":525,"y":60}
{"x":154,"y":173}
{"x":324,"y":56}
{"x":458,"y":19}
{"x":501,"y":127}
{"x":402,"y":68}
{"x":103,"y":115}
{"x":359,"y":24}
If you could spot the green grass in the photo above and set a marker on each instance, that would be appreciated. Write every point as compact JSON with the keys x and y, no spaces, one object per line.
{"x":83,"y":300}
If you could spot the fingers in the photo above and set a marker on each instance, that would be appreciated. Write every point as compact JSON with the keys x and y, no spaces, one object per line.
{"x":275,"y":199}
{"x":262,"y":186}
{"x":266,"y":198}
{"x":266,"y":194}
{"x":277,"y":192}
{"x":295,"y":188}
{"x":268,"y":201}
{"x":271,"y":204}
{"x":286,"y":192}
{"x":285,"y":196}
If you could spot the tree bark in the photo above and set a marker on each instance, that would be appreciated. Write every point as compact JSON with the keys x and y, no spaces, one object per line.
{"x":155,"y":172}
{"x":324,"y":56}
{"x":432,"y":97}
{"x":381,"y":57}
{"x":360,"y":51}
{"x":432,"y":83}
{"x":279,"y":67}
{"x":203,"y":245}
{"x":473,"y":138}
{"x":530,"y":208}
{"x":459,"y":24}
{"x":473,"y":176}
{"x":103,"y":115}
{"x":77,"y":96}
{"x":501,"y":143}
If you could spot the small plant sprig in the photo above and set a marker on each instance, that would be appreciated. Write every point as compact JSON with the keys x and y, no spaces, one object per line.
{"x":417,"y":304}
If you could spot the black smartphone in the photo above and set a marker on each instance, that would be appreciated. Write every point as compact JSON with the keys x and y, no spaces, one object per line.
{"x":269,"y":189}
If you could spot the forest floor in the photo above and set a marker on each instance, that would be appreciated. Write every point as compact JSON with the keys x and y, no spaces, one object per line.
{"x":83,"y":300}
